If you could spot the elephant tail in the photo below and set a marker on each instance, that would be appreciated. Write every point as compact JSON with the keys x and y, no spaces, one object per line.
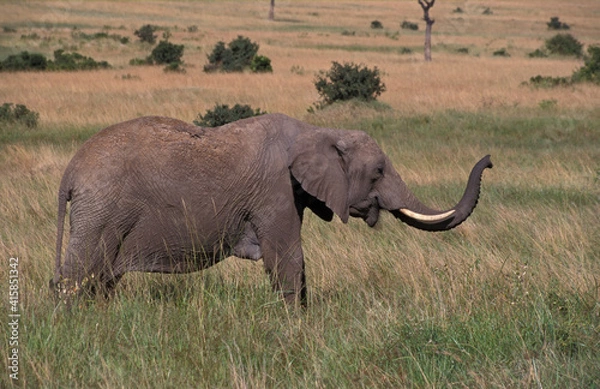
{"x":64,"y":195}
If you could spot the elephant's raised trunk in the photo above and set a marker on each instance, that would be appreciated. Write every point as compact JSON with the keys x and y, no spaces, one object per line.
{"x":415,"y":214}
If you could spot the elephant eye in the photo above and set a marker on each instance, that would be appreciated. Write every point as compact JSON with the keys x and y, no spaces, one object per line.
{"x":378,"y":173}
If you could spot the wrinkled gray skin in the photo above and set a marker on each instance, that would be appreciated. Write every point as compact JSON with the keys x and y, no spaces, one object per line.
{"x":160,"y":195}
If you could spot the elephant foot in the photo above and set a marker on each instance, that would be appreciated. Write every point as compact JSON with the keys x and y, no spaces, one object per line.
{"x":69,"y":291}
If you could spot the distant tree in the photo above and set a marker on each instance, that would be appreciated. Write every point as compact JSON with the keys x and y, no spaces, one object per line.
{"x":426,"y":5}
{"x":272,"y":10}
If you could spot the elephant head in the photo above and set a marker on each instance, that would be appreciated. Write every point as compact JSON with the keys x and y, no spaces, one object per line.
{"x":348,"y":173}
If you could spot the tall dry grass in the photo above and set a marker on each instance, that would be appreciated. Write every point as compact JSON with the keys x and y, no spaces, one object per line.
{"x":305,"y":39}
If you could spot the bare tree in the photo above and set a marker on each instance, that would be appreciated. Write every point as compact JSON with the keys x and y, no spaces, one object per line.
{"x":426,"y":5}
{"x":272,"y":10}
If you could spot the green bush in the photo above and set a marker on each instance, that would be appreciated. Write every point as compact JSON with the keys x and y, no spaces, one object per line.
{"x":261,"y":64}
{"x":146,"y":33}
{"x":222,"y":114}
{"x":18,"y":114}
{"x":166,"y":53}
{"x":564,"y":44}
{"x":501,"y":53}
{"x":24,"y":61}
{"x":591,"y":68}
{"x":62,"y":62}
{"x":548,"y":82}
{"x":235,"y":57}
{"x":406,"y":25}
{"x":376,"y":24}
{"x":538,"y":53}
{"x":76,"y":34}
{"x":74,"y":61}
{"x":555,"y":24}
{"x":348,"y":81}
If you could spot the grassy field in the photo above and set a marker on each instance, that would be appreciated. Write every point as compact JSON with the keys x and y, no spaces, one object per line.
{"x":510,"y":299}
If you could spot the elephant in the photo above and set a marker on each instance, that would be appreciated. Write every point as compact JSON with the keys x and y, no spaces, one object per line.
{"x":156,"y":194}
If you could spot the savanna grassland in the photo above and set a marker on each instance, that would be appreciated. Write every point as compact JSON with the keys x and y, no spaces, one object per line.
{"x":510,"y":299}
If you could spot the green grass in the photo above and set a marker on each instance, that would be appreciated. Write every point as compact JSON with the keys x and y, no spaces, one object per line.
{"x":509,"y":299}
{"x":57,"y":135}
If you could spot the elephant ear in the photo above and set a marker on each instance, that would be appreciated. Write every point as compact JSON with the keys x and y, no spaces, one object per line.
{"x":317,"y":163}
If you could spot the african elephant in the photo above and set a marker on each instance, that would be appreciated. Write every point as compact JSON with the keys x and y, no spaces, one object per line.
{"x":156,"y":194}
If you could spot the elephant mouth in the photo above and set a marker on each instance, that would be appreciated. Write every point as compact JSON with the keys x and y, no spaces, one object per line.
{"x":368,"y":210}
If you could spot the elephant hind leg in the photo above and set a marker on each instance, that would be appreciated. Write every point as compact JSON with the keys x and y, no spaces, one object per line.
{"x":87,"y":268}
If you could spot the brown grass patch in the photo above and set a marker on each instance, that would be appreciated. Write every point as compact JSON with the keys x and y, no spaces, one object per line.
{"x":305,"y":38}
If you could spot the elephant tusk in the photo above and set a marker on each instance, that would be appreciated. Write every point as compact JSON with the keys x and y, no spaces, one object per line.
{"x":426,"y":218}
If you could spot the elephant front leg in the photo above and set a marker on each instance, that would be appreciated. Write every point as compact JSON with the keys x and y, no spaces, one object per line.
{"x":285,"y":266}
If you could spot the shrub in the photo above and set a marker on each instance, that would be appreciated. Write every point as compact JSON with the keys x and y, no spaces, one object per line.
{"x":76,"y":34}
{"x":548,"y":82}
{"x":62,"y":61}
{"x":139,"y":61}
{"x":538,"y":53}
{"x":261,"y":64}
{"x":74,"y":61}
{"x":564,"y":44}
{"x":591,"y":68}
{"x":222,"y":114}
{"x":376,"y":24}
{"x":406,"y":25}
{"x":235,"y":57}
{"x":32,"y":36}
{"x":501,"y":53}
{"x":146,"y":33}
{"x":348,"y":81}
{"x":166,"y":53}
{"x":24,"y":61}
{"x":18,"y":114}
{"x":555,"y":24}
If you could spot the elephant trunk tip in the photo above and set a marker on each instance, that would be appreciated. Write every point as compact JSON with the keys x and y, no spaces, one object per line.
{"x":470,"y":198}
{"x":487,"y":161}
{"x":446,"y":220}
